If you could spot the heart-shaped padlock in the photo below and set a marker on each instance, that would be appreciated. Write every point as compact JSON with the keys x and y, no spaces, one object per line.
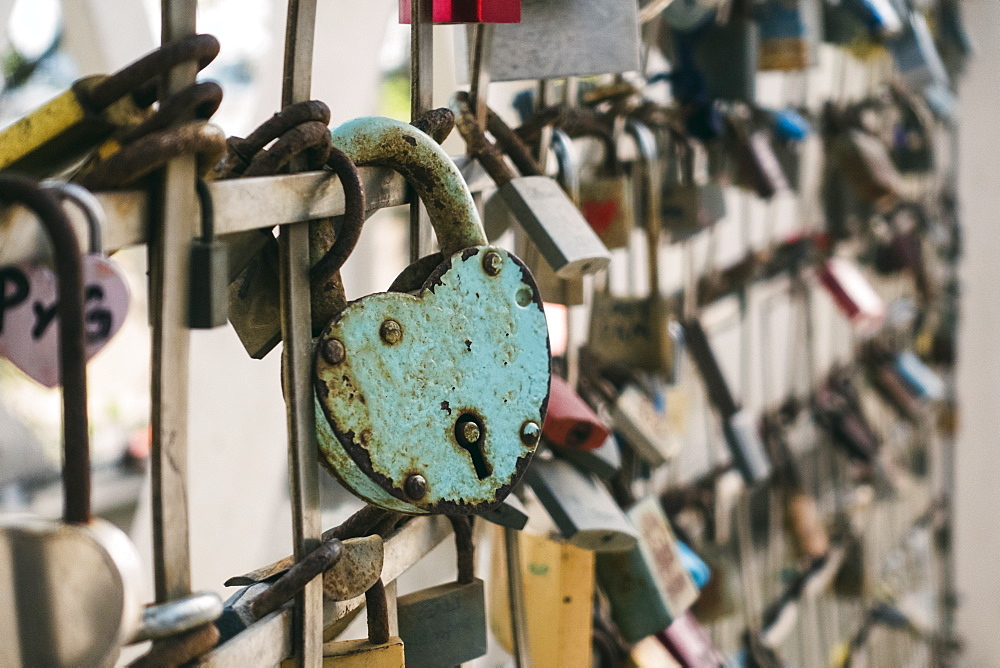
{"x":68,"y":591}
{"x":433,"y":400}
{"x":29,"y":337}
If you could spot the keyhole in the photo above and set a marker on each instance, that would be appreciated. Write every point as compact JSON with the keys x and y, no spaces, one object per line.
{"x":469,"y":432}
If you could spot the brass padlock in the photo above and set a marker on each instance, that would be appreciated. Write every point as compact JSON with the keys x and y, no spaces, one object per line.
{"x":380,"y":648}
{"x":635,"y":331}
{"x":404,"y":417}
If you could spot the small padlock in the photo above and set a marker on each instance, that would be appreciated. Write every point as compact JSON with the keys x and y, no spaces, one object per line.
{"x":402,"y":417}
{"x":557,"y":595}
{"x":28,"y":318}
{"x":727,"y":54}
{"x":606,"y":198}
{"x":643,"y":423}
{"x":738,"y":428}
{"x":569,"y":422}
{"x":461,"y":11}
{"x":380,"y":648}
{"x":648,"y":587}
{"x":635,"y":332}
{"x":554,"y":290}
{"x":891,"y":387}
{"x":581,"y":507}
{"x":446,"y":625}
{"x":758,"y":168}
{"x":790,"y":130}
{"x":86,"y":567}
{"x":853,"y":294}
{"x":208,"y":304}
{"x":540,"y":206}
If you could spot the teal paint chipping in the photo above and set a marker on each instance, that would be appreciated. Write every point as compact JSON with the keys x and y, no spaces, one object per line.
{"x":471,"y":344}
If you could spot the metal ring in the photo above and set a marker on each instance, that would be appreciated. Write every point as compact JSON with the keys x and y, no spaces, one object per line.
{"x":353,"y":221}
{"x":198,"y":101}
{"x":312,"y":137}
{"x":86,"y":202}
{"x":149,"y":153}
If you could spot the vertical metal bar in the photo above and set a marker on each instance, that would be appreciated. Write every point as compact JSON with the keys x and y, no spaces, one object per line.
{"x":421,"y":101}
{"x":515,"y":597}
{"x":296,"y":331}
{"x":479,"y":86}
{"x":168,"y":255}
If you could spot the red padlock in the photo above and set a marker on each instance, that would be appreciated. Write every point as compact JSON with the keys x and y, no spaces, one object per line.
{"x":570,"y":422}
{"x":467,"y":11}
{"x":853,"y":294}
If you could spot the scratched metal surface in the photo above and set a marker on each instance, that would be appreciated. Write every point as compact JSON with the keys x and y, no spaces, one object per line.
{"x":394,"y":407}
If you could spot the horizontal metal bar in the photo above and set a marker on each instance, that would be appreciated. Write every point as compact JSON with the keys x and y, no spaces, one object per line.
{"x":268,"y":642}
{"x":241,"y":205}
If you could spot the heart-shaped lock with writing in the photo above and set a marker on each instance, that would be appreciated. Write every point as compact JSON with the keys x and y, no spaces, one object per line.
{"x":68,"y":591}
{"x":432,"y":399}
{"x":29,"y":336}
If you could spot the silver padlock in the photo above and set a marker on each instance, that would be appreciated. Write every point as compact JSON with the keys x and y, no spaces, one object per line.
{"x":541,"y":207}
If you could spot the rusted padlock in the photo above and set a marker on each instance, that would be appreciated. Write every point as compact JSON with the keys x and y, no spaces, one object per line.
{"x":430,"y":398}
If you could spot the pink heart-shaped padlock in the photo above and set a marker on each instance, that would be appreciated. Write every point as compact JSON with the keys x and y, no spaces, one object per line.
{"x":29,"y":336}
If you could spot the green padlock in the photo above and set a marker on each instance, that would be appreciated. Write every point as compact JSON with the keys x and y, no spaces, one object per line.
{"x":430,"y":398}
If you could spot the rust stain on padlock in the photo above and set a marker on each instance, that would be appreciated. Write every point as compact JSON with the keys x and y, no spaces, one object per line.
{"x":465,"y":332}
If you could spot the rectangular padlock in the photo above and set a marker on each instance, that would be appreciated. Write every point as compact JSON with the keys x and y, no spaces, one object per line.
{"x":648,"y":587}
{"x":738,"y":428}
{"x":605,"y":462}
{"x":558,"y":598}
{"x":466,"y":11}
{"x":633,"y":332}
{"x":643,"y":422}
{"x":581,"y":506}
{"x":594,"y":37}
{"x":606,"y":203}
{"x":446,"y":625}
{"x":539,"y":204}
{"x":727,"y":56}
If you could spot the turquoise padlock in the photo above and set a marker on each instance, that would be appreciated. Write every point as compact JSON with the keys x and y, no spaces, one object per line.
{"x":430,"y":398}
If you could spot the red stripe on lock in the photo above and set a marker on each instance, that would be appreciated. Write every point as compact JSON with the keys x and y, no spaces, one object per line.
{"x":570,"y":422}
{"x":467,"y":11}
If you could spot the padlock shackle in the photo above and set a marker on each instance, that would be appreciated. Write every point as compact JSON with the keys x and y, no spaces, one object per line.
{"x":489,"y":156}
{"x":649,"y":159}
{"x":465,"y":548}
{"x":565,"y":152}
{"x":17,"y":189}
{"x":378,"y":614}
{"x":133,"y":78}
{"x":512,"y":144}
{"x":375,"y":140}
{"x":245,"y":149}
{"x":87,"y":203}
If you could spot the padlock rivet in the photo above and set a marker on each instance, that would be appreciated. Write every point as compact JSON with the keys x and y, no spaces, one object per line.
{"x":530,"y":431}
{"x":416,"y":486}
{"x":333,"y":352}
{"x":492,"y":263}
{"x":391,"y":332}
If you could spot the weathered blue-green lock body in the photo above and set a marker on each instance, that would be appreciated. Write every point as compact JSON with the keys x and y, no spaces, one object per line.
{"x":432,"y":401}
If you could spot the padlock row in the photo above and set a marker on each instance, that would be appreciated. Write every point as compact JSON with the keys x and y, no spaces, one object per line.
{"x":617,"y":542}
